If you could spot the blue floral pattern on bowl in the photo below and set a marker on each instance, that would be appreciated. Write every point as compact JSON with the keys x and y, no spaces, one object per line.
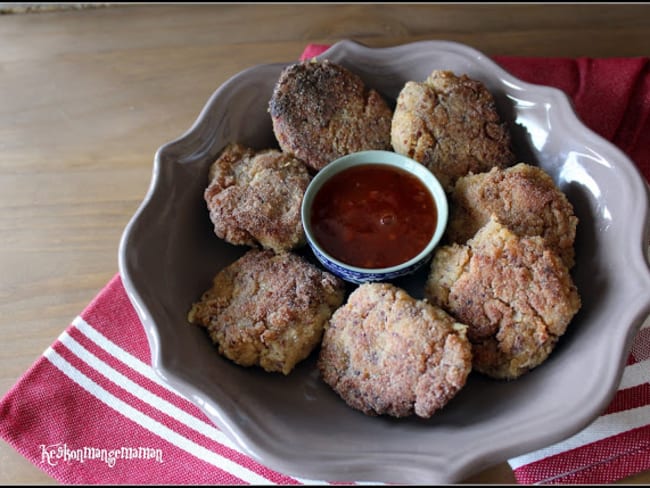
{"x":358,"y":277}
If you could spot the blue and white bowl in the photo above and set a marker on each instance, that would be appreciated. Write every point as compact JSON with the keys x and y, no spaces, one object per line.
{"x":355,"y":274}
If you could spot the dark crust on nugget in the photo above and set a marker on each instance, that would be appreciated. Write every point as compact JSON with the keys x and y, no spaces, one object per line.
{"x":322,"y":111}
{"x":268,"y":309}
{"x":385,"y":352}
{"x":254,"y":198}
{"x":524,"y":198}
{"x":515,"y":295}
{"x":451,"y":125}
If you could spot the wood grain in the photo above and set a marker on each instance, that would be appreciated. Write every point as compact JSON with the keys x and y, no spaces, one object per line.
{"x":87,"y":96}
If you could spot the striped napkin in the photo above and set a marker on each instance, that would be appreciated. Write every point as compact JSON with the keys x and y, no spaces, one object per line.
{"x":91,"y":410}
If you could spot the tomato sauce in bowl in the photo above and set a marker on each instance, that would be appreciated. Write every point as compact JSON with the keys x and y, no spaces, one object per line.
{"x":373,"y":216}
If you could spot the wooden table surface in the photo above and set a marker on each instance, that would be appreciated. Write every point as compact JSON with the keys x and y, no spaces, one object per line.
{"x":87,"y":96}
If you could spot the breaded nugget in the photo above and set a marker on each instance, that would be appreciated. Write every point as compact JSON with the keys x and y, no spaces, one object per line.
{"x":268,"y":309}
{"x":450,"y":124}
{"x":524,"y":198}
{"x":254,"y":198}
{"x":515,"y":295}
{"x":386,"y":353}
{"x":322,"y":111}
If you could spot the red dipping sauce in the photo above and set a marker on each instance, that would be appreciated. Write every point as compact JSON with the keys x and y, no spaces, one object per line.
{"x":373,"y":216}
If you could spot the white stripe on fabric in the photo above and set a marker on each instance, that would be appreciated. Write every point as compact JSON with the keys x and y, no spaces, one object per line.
{"x":635,"y":374}
{"x":148,"y":372}
{"x":120,"y":354}
{"x":603,"y":427}
{"x":150,"y":424}
{"x":646,"y":323}
{"x":145,"y":395}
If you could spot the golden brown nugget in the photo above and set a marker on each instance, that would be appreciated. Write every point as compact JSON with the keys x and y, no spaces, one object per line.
{"x":524,"y":198}
{"x":515,"y":295}
{"x":451,"y":125}
{"x":254,"y":198}
{"x":268,"y":309}
{"x":322,"y":111}
{"x":385,"y":352}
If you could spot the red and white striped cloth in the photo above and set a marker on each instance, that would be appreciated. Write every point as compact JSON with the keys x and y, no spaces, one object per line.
{"x":614,"y":446}
{"x":92,"y":411}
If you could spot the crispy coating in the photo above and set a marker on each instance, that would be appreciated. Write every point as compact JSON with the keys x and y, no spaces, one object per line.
{"x":386,"y":353}
{"x":524,"y":198}
{"x":450,"y":124}
{"x":515,"y":295}
{"x":268,"y":309}
{"x":254,"y":198}
{"x":322,"y":111}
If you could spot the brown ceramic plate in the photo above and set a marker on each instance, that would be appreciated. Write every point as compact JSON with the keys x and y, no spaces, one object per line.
{"x":296,"y":424}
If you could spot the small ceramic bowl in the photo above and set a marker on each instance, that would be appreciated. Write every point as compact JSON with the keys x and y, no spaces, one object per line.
{"x":354,"y":273}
